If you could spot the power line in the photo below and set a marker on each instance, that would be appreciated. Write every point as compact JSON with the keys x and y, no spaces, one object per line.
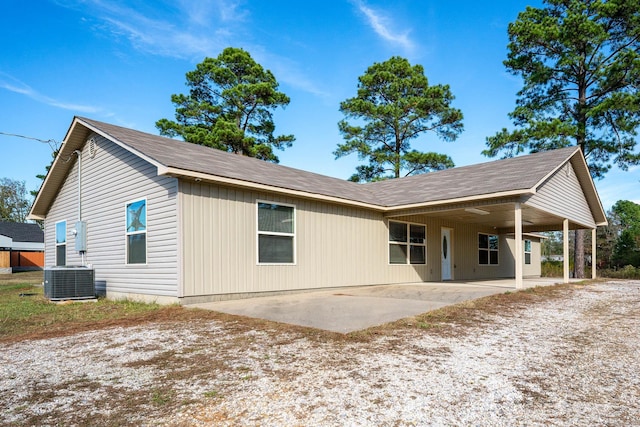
{"x":53,"y":144}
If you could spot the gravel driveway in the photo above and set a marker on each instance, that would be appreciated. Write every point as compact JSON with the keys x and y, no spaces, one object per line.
{"x":572,"y":360}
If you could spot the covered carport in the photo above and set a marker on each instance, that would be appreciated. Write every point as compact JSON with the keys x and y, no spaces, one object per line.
{"x":511,"y":217}
{"x":558,"y":198}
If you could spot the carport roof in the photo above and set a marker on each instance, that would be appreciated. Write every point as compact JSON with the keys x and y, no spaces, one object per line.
{"x":512,"y":175}
{"x":500,"y":178}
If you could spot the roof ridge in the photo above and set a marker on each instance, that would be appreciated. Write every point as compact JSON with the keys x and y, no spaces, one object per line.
{"x":369,"y":187}
{"x":357,"y":187}
{"x":476,"y":165}
{"x":495,"y":178}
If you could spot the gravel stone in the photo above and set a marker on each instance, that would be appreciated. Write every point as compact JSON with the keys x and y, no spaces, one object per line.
{"x":574,"y":360}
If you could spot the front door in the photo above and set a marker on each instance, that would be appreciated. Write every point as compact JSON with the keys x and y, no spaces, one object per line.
{"x":446,"y":253}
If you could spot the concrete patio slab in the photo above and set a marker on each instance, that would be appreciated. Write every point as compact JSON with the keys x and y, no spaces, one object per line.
{"x":351,"y":309}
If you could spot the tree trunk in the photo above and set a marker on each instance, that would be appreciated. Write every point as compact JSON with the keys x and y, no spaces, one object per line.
{"x":581,"y":139}
{"x":578,"y":261}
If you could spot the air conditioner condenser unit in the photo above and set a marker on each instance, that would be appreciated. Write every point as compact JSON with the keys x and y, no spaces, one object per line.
{"x":69,"y":282}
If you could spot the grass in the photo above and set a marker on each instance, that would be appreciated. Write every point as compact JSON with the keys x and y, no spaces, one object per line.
{"x":27,"y":277}
{"x":162,"y":397}
{"x":26,"y":313}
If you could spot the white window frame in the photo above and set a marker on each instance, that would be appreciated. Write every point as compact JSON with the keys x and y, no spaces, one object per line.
{"x":527,"y":252}
{"x":488,"y":250}
{"x":55,"y":239}
{"x":407,"y":243}
{"x":127,"y":233}
{"x":274,"y":233}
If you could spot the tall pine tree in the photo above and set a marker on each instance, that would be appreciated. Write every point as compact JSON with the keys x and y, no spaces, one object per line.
{"x":229,"y":107}
{"x":580,"y":62}
{"x":395,"y":104}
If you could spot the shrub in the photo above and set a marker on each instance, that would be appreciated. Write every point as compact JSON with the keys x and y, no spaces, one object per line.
{"x":554,"y":268}
{"x":626,"y":272}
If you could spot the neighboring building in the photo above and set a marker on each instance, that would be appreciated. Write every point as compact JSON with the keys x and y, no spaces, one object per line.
{"x":21,"y":247}
{"x":177,"y":222}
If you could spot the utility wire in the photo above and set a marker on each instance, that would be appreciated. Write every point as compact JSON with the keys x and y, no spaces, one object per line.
{"x":53,"y":144}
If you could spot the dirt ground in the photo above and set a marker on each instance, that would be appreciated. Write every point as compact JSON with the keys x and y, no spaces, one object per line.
{"x":565,"y":357}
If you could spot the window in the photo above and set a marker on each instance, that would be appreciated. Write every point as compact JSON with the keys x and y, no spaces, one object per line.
{"x":276,"y":233}
{"x":61,"y":243}
{"x":527,"y":251}
{"x":136,"y":232}
{"x":487,"y":249}
{"x":407,"y":243}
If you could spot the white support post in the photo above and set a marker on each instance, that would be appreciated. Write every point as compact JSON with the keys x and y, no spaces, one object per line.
{"x":565,"y":250}
{"x":593,"y":253}
{"x":519,"y":249}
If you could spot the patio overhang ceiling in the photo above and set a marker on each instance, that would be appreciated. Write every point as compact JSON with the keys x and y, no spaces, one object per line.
{"x":498,"y":215}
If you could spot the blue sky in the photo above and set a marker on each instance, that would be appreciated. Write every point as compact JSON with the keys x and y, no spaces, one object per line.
{"x":120,"y":61}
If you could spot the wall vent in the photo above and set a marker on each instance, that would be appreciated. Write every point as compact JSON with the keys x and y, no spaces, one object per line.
{"x":92,"y":148}
{"x":69,"y":282}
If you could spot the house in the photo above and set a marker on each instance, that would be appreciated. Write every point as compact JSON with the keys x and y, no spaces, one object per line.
{"x":21,"y":247}
{"x":164,"y":220}
{"x":555,"y":258}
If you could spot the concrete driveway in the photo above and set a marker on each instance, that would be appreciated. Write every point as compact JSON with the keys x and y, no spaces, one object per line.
{"x":351,"y":309}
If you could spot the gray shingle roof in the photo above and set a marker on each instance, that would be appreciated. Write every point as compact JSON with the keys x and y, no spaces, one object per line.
{"x":197,"y":158}
{"x":22,"y":232}
{"x":499,"y":176}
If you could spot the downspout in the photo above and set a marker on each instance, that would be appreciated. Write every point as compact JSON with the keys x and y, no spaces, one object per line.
{"x":79,"y":154}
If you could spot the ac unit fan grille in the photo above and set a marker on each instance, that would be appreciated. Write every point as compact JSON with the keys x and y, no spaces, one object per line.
{"x":69,"y":283}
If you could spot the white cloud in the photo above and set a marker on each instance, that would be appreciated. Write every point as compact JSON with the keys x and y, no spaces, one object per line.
{"x":203,"y":12}
{"x":287,"y":71}
{"x":183,"y":29}
{"x":381,"y":24}
{"x":191,"y":31}
{"x":14,"y":85}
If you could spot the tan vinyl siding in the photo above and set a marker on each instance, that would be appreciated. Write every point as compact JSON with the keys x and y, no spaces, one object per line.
{"x":562,"y":195}
{"x":110,"y":180}
{"x":528,"y":270}
{"x":464,"y":239}
{"x":335,"y":245}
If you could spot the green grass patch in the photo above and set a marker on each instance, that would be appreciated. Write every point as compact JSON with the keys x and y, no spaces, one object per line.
{"x":22,"y":278}
{"x":24,"y":310}
{"x":160,"y":397}
{"x":425,"y":325}
{"x":211,"y":394}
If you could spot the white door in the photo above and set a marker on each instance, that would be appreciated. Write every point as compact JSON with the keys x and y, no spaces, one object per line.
{"x":446,"y":253}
